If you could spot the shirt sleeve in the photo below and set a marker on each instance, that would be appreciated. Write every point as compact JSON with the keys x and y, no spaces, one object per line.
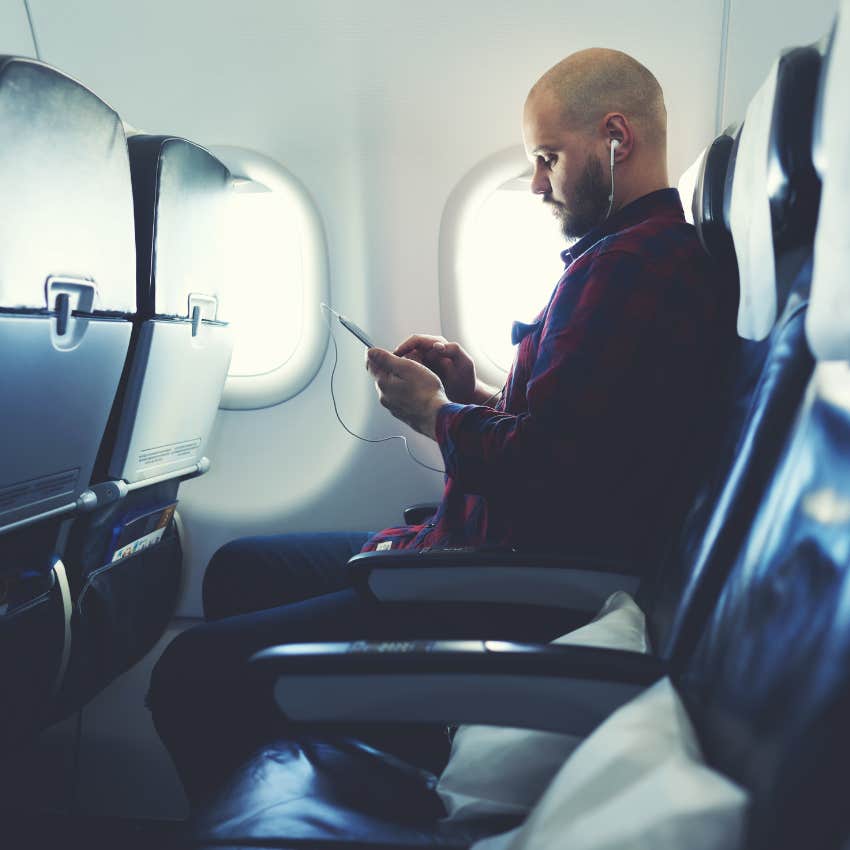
{"x":588,"y":354}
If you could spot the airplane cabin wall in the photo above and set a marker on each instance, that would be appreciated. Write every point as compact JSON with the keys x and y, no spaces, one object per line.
{"x":758,"y":31}
{"x":15,"y":35}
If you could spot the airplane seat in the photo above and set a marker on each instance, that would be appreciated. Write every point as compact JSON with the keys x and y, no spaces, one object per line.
{"x":765,"y":687}
{"x":127,"y":557}
{"x":182,"y":197}
{"x":67,"y":287}
{"x":772,"y":227}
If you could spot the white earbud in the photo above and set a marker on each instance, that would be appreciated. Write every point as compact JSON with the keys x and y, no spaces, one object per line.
{"x":615,"y":143}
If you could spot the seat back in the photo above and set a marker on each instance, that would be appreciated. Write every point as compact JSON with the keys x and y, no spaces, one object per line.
{"x":182,"y":345}
{"x":66,"y":284}
{"x":768,"y":686}
{"x":774,"y":363}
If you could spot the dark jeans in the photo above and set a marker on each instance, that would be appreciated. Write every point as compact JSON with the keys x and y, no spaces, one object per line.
{"x":212,"y":714}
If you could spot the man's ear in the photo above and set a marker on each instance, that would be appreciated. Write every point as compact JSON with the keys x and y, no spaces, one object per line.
{"x":617,"y":127}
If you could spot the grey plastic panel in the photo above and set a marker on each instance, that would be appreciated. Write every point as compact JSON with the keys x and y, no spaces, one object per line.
{"x":66,"y":186}
{"x":56,"y":403}
{"x":581,"y":590}
{"x":193,"y":230}
{"x":558,"y":704}
{"x":173,"y":392}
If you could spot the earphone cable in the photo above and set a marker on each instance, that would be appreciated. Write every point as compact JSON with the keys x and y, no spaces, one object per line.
{"x":339,"y":418}
{"x":611,"y":196}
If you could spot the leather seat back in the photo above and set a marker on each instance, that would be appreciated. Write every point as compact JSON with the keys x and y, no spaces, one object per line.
{"x":768,"y":686}
{"x":754,"y":205}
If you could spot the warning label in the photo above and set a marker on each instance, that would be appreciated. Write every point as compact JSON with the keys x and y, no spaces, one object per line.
{"x":185,"y":451}
{"x":26,"y":493}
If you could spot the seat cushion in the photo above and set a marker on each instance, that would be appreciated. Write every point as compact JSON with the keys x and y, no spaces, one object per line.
{"x":316,"y":792}
{"x":497,"y":770}
{"x":638,"y":781}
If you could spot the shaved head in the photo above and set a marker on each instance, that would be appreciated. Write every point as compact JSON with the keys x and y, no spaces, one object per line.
{"x":587,"y":85}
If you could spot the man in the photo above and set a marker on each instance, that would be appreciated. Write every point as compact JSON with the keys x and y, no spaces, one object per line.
{"x":587,"y":448}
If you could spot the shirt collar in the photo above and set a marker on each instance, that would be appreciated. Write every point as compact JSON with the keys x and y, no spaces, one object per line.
{"x":660,"y":202}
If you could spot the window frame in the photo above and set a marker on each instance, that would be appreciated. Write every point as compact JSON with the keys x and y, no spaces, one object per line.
{"x":273,"y":387}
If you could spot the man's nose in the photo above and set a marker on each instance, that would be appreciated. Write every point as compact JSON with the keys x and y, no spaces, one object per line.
{"x":540,"y":182}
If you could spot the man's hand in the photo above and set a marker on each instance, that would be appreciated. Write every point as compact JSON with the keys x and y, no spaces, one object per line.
{"x":407,"y":389}
{"x":450,"y":363}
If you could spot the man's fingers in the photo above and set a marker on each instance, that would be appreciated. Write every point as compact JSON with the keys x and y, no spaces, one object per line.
{"x":422,"y":342}
{"x":382,"y":364}
{"x":379,"y":361}
{"x":443,"y":354}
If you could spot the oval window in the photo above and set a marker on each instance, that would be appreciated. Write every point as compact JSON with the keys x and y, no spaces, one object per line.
{"x":279,"y":278}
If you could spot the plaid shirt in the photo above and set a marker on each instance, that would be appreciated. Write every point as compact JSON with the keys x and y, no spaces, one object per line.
{"x":597,"y":432}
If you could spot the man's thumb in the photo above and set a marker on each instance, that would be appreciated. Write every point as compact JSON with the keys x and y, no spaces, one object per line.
{"x":378,"y":359}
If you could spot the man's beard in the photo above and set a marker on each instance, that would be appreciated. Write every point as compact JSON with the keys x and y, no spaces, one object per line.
{"x":588,"y":205}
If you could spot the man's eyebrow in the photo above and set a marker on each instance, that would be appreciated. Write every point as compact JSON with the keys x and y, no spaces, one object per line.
{"x":541,"y":149}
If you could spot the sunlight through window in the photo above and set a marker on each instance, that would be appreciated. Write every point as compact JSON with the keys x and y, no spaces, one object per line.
{"x":279,"y":276}
{"x":510,"y":263}
{"x":265,"y":298}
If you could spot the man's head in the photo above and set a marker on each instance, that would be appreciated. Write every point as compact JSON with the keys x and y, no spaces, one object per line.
{"x":571,"y":116}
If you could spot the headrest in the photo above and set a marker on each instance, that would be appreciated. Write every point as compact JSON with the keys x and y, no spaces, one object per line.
{"x":749,"y":216}
{"x":66,"y":188}
{"x":687,"y":185}
{"x":183,"y":197}
{"x":793,"y":185}
{"x":709,"y":201}
{"x":828,"y":317}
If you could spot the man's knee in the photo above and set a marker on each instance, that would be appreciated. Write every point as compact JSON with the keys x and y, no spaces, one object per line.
{"x":224,"y":577}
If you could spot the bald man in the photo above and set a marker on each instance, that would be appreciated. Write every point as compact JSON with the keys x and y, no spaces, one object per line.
{"x":590,"y":444}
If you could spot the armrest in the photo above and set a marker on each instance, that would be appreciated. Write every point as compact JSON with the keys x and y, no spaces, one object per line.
{"x":568,"y":689}
{"x":418,"y":514}
{"x":493,"y":575}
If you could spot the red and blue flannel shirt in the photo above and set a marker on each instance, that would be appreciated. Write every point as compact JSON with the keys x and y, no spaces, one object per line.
{"x":600,"y":423}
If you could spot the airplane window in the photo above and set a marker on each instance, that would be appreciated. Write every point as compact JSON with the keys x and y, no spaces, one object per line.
{"x":511,"y":262}
{"x":500,"y":260}
{"x":264,"y":300}
{"x":279,"y":277}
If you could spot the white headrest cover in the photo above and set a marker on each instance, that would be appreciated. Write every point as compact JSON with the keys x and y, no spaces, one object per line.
{"x":828,"y":318}
{"x":687,"y":186}
{"x":750,"y":217}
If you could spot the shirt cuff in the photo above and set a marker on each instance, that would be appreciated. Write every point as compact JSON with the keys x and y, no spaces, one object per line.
{"x":448,"y":417}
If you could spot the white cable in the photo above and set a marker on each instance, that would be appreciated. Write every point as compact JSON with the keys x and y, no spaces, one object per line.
{"x":67,"y":609}
{"x":614,"y":145}
{"x":401,"y":437}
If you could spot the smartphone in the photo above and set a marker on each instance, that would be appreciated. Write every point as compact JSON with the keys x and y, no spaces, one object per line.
{"x":358,"y":332}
